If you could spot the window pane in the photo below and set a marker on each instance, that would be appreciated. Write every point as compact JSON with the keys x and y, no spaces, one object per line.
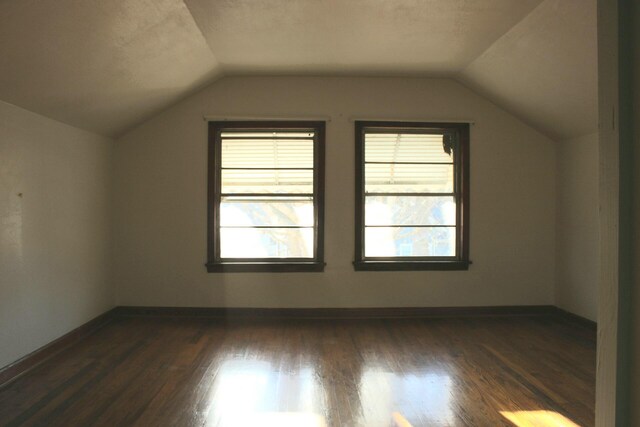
{"x":409,"y":241}
{"x":267,"y":153}
{"x":266,"y":242}
{"x":397,"y":178}
{"x":247,"y":212}
{"x":398,"y":147}
{"x":410,"y":210}
{"x":267,"y":181}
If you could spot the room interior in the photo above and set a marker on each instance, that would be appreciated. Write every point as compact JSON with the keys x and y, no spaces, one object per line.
{"x":104,"y":158}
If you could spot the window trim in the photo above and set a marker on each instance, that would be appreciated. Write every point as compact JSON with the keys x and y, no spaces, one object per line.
{"x":215,"y":263}
{"x":461,"y":192}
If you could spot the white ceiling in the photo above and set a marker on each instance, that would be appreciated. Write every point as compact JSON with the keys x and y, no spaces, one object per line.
{"x":107,"y":65}
{"x":544,"y":70}
{"x":422,"y":37}
{"x":100,"y":65}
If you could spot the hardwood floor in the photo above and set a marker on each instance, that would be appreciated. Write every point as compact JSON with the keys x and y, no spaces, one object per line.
{"x":523,"y":371}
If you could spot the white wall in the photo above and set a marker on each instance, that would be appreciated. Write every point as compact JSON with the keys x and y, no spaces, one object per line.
{"x":578,"y":235}
{"x":160,"y":201}
{"x":54,"y":230}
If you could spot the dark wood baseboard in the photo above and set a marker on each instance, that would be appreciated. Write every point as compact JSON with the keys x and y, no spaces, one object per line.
{"x":33,"y":359}
{"x":588,"y":323}
{"x":336,"y":313}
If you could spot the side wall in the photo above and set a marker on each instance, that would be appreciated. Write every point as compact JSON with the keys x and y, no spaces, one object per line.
{"x":160,"y":201}
{"x":54,"y":230}
{"x":578,"y":232}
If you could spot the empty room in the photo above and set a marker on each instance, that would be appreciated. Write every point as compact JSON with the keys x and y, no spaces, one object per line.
{"x":319,"y":213}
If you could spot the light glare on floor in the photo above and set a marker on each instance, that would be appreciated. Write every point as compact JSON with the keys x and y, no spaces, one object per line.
{"x":277,"y":419}
{"x":538,"y":419}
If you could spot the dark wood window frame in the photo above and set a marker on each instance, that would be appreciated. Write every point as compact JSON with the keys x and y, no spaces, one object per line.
{"x":460,"y":134}
{"x":217,"y":264}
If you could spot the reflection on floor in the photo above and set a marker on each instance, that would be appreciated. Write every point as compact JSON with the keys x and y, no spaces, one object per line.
{"x":537,"y":371}
{"x":275,"y":419}
{"x":538,"y":419}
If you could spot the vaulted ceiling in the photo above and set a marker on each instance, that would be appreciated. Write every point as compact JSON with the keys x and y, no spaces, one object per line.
{"x":106,"y":66}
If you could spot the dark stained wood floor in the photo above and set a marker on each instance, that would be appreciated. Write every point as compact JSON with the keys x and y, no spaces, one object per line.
{"x":537,"y":371}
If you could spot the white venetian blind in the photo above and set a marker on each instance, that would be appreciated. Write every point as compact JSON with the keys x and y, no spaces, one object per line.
{"x":407,"y":163}
{"x":267,"y":162}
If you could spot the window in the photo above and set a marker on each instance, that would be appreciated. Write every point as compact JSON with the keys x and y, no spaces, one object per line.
{"x":412,"y":196}
{"x":266,"y":196}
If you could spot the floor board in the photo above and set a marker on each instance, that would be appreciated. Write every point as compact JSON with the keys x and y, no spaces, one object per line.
{"x":522,"y":371}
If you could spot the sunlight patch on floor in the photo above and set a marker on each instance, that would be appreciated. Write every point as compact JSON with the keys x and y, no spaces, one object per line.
{"x":277,"y":419}
{"x":538,"y":419}
{"x":399,"y":420}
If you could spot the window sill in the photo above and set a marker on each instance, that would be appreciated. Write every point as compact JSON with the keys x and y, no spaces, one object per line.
{"x":261,"y":267}
{"x":410,"y":265}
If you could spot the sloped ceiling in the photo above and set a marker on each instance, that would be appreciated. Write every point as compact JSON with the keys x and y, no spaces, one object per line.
{"x":544,"y":69}
{"x":421,"y":37}
{"x":100,"y":65}
{"x":106,"y":66}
